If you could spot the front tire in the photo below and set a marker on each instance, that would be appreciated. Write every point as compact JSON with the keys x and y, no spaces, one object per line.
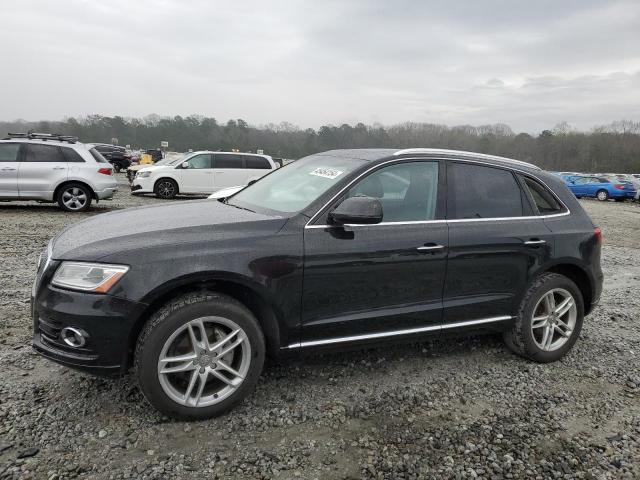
{"x":199,"y":356}
{"x":165,"y":188}
{"x":602,"y":195}
{"x":549,"y":319}
{"x":74,"y":197}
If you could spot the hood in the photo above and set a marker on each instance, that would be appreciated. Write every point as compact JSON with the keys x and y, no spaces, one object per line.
{"x":171,"y":226}
{"x":156,"y":168}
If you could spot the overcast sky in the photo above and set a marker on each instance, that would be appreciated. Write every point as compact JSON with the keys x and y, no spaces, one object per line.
{"x":530,"y":64}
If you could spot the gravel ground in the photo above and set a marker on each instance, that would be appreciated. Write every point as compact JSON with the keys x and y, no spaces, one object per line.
{"x":447,"y":408}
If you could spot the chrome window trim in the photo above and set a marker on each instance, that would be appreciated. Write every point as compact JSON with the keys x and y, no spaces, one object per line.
{"x":455,"y":220}
{"x":369,"y":336}
{"x":463,"y":153}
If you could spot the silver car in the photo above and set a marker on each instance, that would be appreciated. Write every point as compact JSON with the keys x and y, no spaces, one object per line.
{"x":54,"y":168}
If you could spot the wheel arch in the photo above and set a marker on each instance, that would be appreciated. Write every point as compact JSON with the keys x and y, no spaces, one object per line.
{"x":70,"y":181}
{"x":167,"y":177}
{"x":580,"y":277}
{"x":236,"y":288}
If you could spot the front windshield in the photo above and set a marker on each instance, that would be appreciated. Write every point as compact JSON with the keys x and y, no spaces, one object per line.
{"x":171,"y":161}
{"x":292,"y":188}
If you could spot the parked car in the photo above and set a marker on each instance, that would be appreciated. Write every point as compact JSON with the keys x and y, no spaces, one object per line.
{"x":624,"y":177}
{"x":134,"y":169}
{"x":54,"y":168}
{"x":601,"y":188}
{"x":116,"y":155}
{"x":202,"y":173}
{"x":342,"y":248}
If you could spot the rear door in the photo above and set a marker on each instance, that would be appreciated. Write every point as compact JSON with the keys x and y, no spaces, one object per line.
{"x":197,"y":177}
{"x":42,"y":169}
{"x":9,"y":156}
{"x":255,"y":167}
{"x":229,"y":170}
{"x":496,"y":241}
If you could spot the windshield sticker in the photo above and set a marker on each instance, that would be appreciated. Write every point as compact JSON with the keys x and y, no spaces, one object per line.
{"x":326,"y":173}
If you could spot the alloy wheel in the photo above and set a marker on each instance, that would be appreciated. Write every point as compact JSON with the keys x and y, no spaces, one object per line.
{"x":204,"y":361}
{"x":166,"y":189}
{"x":74,"y":198}
{"x":554,"y":319}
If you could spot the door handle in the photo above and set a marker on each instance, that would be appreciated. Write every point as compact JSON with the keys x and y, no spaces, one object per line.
{"x":59,"y":168}
{"x":7,"y":169}
{"x":535,"y":241}
{"x":430,"y":247}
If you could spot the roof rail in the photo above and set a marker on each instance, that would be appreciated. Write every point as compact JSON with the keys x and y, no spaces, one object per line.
{"x":463,"y":154}
{"x":44,"y":136}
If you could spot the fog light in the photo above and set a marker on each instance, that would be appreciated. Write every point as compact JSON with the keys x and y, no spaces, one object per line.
{"x":74,"y":337}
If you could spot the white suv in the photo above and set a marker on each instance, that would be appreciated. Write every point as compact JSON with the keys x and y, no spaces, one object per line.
{"x":202,"y":173}
{"x":54,"y":168}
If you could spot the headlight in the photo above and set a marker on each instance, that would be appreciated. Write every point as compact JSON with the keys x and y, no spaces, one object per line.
{"x":143,"y":174}
{"x":88,"y":277}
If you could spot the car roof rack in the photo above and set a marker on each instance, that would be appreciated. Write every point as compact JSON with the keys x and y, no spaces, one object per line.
{"x":44,"y":136}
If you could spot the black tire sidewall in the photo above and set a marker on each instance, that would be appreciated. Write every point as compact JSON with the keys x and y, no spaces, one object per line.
{"x":533,"y":351}
{"x":87,"y":191}
{"x":149,"y":351}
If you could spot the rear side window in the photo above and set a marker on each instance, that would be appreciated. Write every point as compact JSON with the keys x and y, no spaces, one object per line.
{"x":543,"y":199}
{"x":227,"y":161}
{"x":71,"y":155}
{"x":475,"y":191}
{"x":98,"y":156}
{"x":256,"y":162}
{"x":43,"y":153}
{"x":9,"y":152}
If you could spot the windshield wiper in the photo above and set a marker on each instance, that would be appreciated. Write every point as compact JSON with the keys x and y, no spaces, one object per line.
{"x":238,"y":206}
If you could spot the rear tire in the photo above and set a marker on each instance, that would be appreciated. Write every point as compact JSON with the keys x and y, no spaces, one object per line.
{"x":602,"y":195}
{"x":74,"y":197}
{"x":193,"y":388}
{"x":527,"y":337}
{"x":165,"y":188}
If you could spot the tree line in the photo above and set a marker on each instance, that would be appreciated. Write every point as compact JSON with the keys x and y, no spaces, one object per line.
{"x":609,"y":148}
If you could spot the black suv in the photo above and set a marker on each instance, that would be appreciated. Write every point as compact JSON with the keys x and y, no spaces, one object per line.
{"x":116,"y":155}
{"x":346,"y":247}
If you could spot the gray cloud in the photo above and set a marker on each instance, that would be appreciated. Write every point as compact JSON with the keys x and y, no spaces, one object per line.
{"x":527,"y":64}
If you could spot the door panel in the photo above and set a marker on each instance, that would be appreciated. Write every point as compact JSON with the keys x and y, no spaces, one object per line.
{"x":198,"y":176}
{"x":9,"y":170}
{"x":373,"y":279}
{"x":229,"y":171}
{"x":490,"y":266}
{"x":496,"y":242}
{"x":43,"y":167}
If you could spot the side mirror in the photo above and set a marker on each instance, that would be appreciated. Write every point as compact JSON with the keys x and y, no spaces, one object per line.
{"x":184,"y":165}
{"x":357,"y":210}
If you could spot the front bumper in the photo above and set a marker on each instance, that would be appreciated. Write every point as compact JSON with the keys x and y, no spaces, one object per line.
{"x":142,"y":185}
{"x":108,"y":321}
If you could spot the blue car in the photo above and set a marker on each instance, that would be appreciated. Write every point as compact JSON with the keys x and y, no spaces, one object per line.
{"x":600,"y":188}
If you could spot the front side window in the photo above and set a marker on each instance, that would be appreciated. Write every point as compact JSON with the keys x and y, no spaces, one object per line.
{"x":408,"y":192}
{"x":477,"y":191}
{"x":542,"y":198}
{"x":199,"y":162}
{"x":255,"y":162}
{"x":43,"y":153}
{"x":9,"y":152}
{"x":292,"y":188}
{"x":228,"y":161}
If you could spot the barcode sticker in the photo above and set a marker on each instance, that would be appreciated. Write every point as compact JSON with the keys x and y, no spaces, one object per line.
{"x":326,"y":173}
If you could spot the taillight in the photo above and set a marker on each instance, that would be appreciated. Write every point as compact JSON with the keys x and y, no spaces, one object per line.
{"x":105,"y":171}
{"x":598,"y":234}
{"x":619,"y":186}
